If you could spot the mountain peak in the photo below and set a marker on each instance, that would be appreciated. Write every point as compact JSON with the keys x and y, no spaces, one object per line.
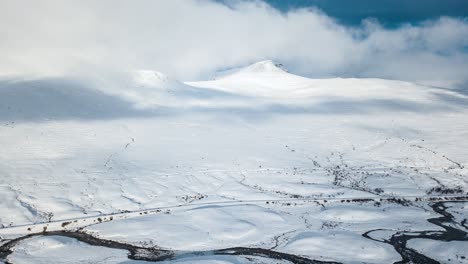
{"x":262,"y":67}
{"x":265,"y":66}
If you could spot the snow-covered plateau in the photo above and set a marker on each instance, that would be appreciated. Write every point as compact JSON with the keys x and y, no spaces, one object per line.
{"x":257,"y":165}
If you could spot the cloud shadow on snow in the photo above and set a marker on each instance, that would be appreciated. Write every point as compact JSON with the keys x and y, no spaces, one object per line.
{"x":59,"y":99}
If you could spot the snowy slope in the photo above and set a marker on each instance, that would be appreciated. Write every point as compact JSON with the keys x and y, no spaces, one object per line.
{"x":258,"y":158}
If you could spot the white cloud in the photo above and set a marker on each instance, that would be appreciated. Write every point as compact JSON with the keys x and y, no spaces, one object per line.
{"x":189,"y":38}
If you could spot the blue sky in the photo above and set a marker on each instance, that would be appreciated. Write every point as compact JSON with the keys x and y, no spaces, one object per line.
{"x":390,"y":13}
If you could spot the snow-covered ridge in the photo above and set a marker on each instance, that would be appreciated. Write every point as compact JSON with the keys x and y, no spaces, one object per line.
{"x":268,"y":79}
{"x":271,"y":81}
{"x":252,"y":87}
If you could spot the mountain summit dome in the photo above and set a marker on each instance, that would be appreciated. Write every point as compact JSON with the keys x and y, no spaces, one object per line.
{"x":266,"y":66}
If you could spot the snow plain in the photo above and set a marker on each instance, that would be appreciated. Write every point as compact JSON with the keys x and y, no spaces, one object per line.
{"x":256,"y":158}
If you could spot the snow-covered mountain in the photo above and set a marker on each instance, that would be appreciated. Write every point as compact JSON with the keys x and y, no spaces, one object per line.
{"x":258,"y":165}
{"x":271,"y":80}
